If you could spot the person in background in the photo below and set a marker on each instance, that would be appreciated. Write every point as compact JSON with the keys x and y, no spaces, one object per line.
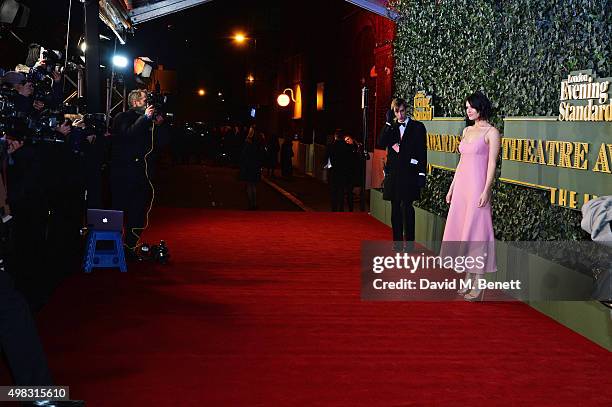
{"x":404,"y":140}
{"x":251,"y":161}
{"x":286,"y":154}
{"x":273,"y":148}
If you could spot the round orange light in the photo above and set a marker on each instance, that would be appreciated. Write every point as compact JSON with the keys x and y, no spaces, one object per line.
{"x":283,"y":100}
{"x":201,"y":92}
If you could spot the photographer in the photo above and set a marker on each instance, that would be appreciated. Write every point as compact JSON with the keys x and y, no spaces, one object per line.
{"x":24,"y":99}
{"x":34,"y":91}
{"x":131,"y":140}
{"x":29,"y":187}
{"x":33,"y":199}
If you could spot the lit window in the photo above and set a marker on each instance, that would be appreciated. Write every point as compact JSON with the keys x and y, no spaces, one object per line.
{"x":320,"y":94}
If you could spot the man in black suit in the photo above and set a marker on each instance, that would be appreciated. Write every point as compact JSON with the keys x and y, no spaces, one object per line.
{"x":339,"y":161}
{"x":404,"y":140}
{"x":131,"y":141}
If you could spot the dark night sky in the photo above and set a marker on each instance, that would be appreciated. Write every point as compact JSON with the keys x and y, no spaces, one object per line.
{"x":195,"y":41}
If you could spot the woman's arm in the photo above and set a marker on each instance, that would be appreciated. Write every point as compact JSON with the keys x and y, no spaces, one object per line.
{"x":449,"y":195}
{"x":493,"y":139}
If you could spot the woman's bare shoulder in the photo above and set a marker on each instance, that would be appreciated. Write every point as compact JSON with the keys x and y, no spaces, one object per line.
{"x":492,"y":134}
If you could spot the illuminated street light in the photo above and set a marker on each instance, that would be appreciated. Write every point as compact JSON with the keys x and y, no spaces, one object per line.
{"x":250,"y":78}
{"x":283,"y":100}
{"x":239,"y":38}
{"x":201,"y":92}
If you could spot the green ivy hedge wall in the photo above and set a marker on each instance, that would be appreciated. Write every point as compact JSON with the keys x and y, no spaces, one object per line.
{"x":517,"y":52}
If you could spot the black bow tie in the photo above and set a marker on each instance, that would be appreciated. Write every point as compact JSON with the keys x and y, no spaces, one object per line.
{"x":402,"y":124}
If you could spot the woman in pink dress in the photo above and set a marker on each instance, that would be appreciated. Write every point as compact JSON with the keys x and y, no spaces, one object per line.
{"x":469,"y":218}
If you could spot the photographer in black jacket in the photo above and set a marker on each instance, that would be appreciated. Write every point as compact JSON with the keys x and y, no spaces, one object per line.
{"x":131,"y":140}
{"x":29,"y":189}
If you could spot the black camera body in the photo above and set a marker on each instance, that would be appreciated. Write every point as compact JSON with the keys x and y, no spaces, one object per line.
{"x":93,"y":124}
{"x":157,"y":100}
{"x":159,"y":253}
{"x":161,"y":105}
{"x":7,"y":104}
{"x":42,"y":83}
{"x":42,"y":128}
{"x":31,"y":129}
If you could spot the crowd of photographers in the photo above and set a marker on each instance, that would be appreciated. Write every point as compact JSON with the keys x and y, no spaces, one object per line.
{"x":52,"y":166}
{"x":41,"y":184}
{"x":43,"y":163}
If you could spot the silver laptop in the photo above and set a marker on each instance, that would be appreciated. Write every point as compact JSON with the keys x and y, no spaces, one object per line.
{"x":101,"y":219}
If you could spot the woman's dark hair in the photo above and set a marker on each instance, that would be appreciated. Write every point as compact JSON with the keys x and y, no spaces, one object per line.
{"x":481,"y":103}
{"x":33,"y":55}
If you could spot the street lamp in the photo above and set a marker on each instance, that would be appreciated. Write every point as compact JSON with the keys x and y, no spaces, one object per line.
{"x":239,"y":38}
{"x":201,"y":92}
{"x":283,"y":100}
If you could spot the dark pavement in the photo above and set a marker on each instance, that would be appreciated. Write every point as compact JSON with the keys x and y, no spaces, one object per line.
{"x":314,"y":193}
{"x":212,"y":186}
{"x":215,"y":186}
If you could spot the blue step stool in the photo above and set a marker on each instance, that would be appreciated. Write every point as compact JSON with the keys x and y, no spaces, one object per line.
{"x":111,"y":258}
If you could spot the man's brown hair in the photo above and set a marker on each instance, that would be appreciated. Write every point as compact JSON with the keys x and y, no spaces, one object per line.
{"x":134,"y":96}
{"x":397,"y":103}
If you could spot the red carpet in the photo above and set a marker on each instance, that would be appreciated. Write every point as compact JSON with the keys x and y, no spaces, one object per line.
{"x":263,"y":308}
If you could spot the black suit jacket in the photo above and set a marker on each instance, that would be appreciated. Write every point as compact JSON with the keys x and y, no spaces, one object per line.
{"x":403,"y":169}
{"x":131,"y":138}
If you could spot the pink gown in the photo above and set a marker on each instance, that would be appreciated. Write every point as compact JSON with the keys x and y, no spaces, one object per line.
{"x":466,"y":222}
